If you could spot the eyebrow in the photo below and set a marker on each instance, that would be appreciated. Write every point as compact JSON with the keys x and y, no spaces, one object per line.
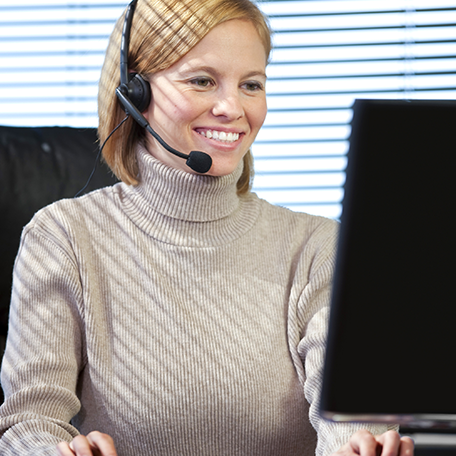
{"x":208,"y":69}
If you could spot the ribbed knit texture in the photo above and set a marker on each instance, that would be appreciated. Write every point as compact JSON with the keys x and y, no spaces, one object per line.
{"x":174,"y":316}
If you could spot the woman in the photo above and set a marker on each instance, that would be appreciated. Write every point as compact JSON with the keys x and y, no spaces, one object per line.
{"x":176,"y":313}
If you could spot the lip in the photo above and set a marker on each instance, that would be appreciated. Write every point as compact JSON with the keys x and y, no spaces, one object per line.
{"x":220,"y":144}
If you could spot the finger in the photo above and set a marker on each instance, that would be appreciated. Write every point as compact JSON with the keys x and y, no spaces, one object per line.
{"x":81,"y":446}
{"x":390,"y":442}
{"x":364,"y":443}
{"x":63,"y":449}
{"x":407,"y":446}
{"x":102,"y":442}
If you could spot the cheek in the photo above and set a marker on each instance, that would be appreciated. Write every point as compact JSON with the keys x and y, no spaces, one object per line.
{"x":184,"y":113}
{"x":172,"y":108}
{"x":257,"y":114}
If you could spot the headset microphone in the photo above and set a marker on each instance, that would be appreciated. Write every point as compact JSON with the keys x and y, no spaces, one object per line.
{"x":134,"y":95}
{"x":198,"y":161}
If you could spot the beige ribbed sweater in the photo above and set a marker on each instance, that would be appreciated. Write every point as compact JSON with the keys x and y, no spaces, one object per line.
{"x":174,"y":316}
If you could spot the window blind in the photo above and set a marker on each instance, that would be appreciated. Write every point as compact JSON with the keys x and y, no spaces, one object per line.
{"x":326,"y":54}
{"x":51,"y":53}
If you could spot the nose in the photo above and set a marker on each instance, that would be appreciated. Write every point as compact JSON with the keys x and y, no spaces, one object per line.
{"x":228,"y":104}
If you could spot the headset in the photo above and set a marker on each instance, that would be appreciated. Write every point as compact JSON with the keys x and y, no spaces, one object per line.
{"x":134,"y":95}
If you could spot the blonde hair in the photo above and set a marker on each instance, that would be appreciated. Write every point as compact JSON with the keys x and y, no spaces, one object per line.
{"x":162,"y":32}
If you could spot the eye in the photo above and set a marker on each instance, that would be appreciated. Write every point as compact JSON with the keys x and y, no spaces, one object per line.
{"x":202,"y":82}
{"x":253,"y":86}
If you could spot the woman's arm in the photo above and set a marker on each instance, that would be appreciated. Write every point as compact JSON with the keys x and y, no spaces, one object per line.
{"x":308,"y":328}
{"x":44,"y":352}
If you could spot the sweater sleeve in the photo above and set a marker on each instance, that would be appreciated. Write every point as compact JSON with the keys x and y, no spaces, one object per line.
{"x":331,"y":436}
{"x":309,"y":331}
{"x":44,"y":347}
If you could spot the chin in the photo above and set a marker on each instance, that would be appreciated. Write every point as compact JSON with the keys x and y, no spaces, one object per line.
{"x":222,"y":169}
{"x":224,"y":165}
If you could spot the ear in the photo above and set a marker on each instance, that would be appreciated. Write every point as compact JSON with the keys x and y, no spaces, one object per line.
{"x":145,"y":114}
{"x":139,"y":91}
{"x":145,"y":111}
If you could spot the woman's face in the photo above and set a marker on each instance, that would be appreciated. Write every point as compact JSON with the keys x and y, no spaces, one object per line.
{"x":213,"y":99}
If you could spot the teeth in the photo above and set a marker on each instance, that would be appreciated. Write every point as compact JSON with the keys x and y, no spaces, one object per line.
{"x":220,"y":135}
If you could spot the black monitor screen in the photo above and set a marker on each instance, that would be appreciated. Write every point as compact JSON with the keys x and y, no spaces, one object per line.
{"x":392,"y":332}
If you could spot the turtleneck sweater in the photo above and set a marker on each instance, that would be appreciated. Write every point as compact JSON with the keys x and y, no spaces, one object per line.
{"x":175,"y":316}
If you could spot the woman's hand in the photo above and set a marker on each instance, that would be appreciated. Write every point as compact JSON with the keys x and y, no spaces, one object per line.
{"x":94,"y":444}
{"x":388,"y":444}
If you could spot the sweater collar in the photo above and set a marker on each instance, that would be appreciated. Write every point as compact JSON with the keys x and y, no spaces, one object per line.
{"x":187,"y":209}
{"x":186,"y":196}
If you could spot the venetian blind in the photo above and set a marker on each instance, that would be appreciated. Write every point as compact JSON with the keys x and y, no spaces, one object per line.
{"x":326,"y":54}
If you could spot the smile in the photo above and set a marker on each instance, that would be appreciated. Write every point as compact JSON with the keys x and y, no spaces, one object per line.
{"x":219,"y":135}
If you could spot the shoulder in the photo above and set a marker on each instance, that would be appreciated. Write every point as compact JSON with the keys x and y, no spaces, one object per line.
{"x":299,"y":226}
{"x":63,"y":219}
{"x":308,"y":241}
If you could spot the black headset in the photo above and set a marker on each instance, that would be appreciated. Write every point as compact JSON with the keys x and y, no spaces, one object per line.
{"x":134,"y":95}
{"x":132,"y":85}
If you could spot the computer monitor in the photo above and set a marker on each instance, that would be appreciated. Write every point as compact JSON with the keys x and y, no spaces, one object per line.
{"x":391,"y":346}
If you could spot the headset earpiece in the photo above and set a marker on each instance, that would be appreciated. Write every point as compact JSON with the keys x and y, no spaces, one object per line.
{"x":137,"y":91}
{"x":132,"y":85}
